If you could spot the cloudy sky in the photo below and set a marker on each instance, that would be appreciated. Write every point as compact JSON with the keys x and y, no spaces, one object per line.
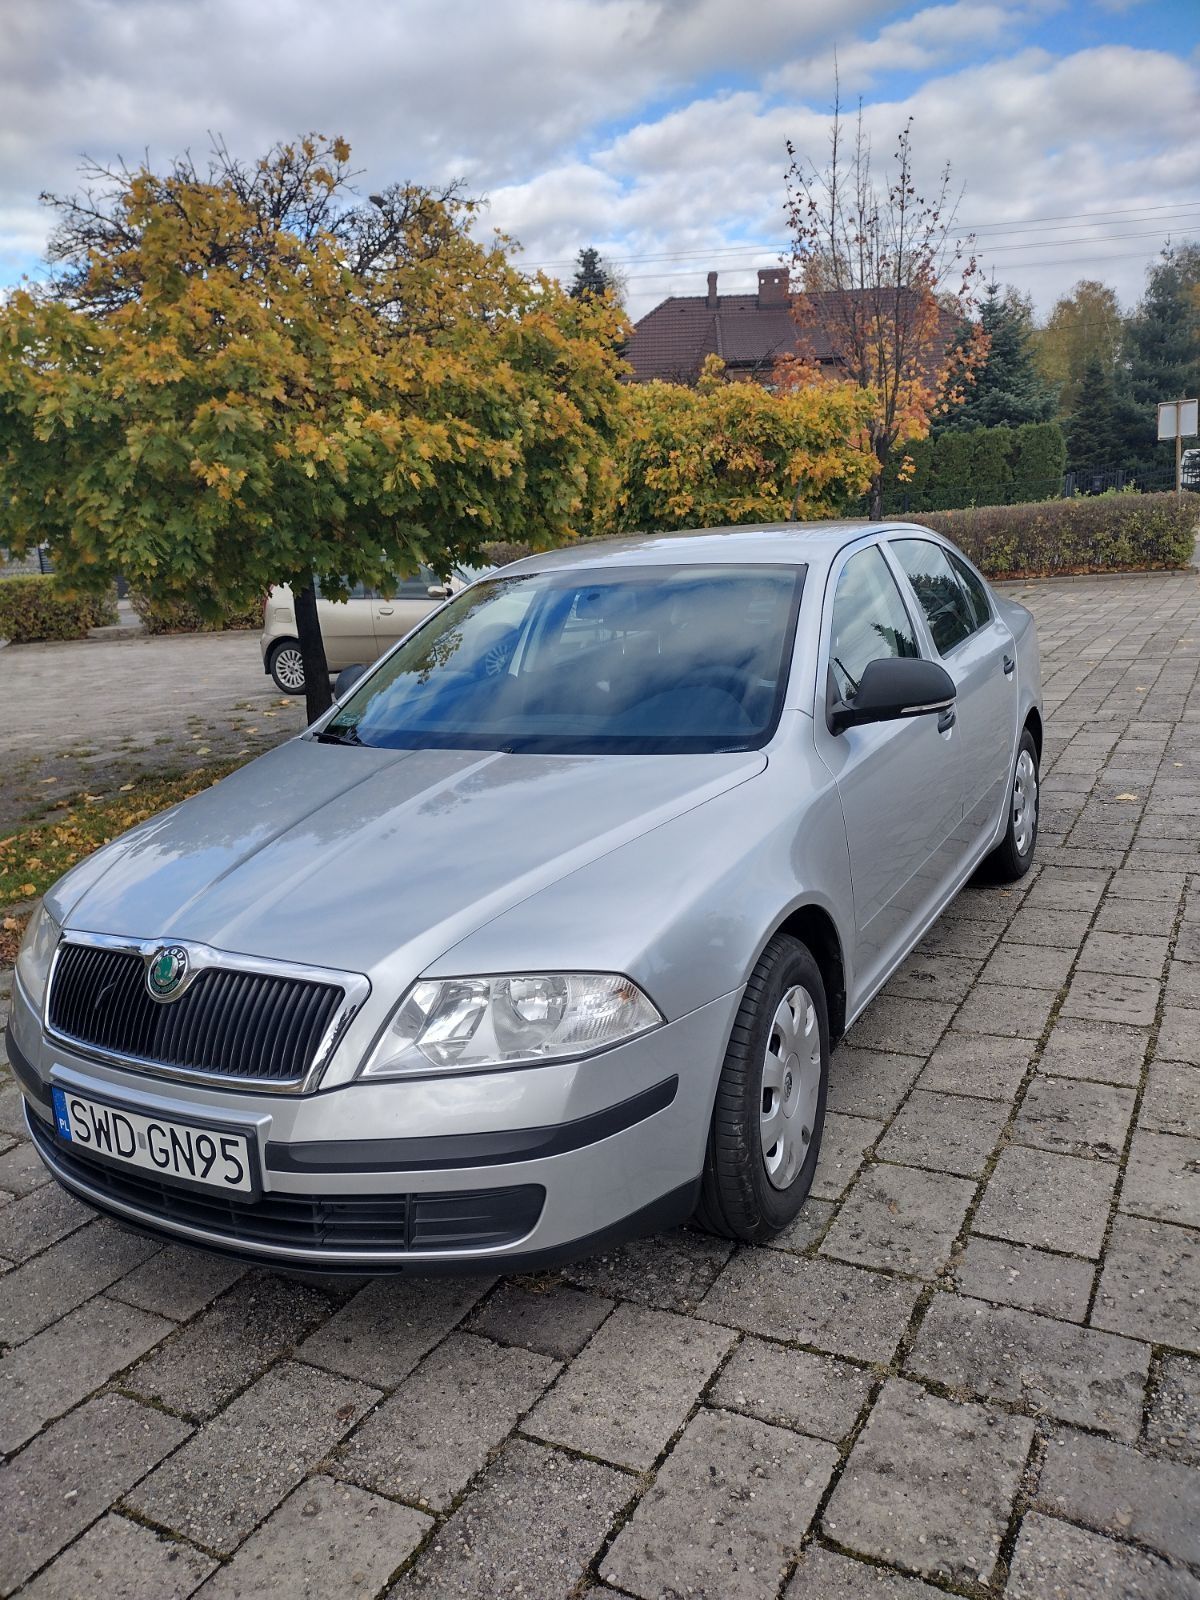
{"x":655,"y":129}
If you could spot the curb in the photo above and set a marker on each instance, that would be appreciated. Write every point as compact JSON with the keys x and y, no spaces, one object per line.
{"x":1092,"y":577}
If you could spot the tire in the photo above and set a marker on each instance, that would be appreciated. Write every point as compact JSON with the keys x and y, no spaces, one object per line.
{"x":749,"y":1190}
{"x":286,"y":666}
{"x":1013,"y":857}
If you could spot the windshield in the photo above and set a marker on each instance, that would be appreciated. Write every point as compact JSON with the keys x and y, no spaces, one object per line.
{"x":640,"y":660}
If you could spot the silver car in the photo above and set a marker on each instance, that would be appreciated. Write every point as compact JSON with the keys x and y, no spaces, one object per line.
{"x":543,"y":935}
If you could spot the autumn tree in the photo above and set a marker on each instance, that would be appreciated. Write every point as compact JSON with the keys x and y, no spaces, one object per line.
{"x":881,"y":272}
{"x":1083,"y":326}
{"x":723,"y":453}
{"x":242,"y":376}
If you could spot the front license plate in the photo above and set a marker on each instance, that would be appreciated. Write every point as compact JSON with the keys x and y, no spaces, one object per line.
{"x":207,"y":1156}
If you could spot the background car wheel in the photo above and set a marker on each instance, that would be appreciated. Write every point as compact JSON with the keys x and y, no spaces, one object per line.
{"x":770,"y":1108}
{"x":286,"y":666}
{"x":1013,"y":858}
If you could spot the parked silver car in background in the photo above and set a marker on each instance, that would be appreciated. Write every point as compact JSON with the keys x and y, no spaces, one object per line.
{"x":544,"y":934}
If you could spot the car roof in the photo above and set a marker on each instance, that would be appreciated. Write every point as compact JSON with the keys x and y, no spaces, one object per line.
{"x":811,"y":543}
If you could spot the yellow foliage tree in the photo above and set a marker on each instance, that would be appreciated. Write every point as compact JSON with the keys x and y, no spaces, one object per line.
{"x":240,"y":379}
{"x":725,"y":453}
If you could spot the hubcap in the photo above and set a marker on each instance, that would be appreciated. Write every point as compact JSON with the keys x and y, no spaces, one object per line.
{"x":1025,"y":803}
{"x":289,"y":669}
{"x":791,"y":1085}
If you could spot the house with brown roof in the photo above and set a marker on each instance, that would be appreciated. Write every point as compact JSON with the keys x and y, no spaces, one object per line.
{"x":750,"y":332}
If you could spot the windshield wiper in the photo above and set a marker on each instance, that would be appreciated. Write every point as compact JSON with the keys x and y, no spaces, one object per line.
{"x":337,"y":736}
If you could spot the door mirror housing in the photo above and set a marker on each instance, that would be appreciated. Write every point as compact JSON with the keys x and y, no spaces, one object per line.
{"x":439,"y":591}
{"x":890,"y":689}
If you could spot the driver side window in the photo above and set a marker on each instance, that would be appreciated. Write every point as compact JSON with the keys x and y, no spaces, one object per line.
{"x":869,"y":621}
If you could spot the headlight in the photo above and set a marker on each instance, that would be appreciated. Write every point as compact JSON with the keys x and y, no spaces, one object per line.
{"x":518,"y":1019}
{"x":37,"y":950}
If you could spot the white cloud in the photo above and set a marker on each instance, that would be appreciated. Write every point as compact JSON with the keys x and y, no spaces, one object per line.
{"x":597,"y":121}
{"x":918,"y":43}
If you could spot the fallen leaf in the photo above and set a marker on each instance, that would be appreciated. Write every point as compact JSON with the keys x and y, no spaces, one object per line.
{"x":125,"y":788}
{"x":26,"y":890}
{"x":1127,"y":797}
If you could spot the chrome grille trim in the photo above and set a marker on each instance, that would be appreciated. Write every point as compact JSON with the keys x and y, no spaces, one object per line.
{"x":225,"y":975}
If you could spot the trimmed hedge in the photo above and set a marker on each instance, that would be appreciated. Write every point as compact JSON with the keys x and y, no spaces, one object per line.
{"x":176,"y":616}
{"x":1098,"y":533}
{"x":977,"y":466}
{"x":40,"y":607}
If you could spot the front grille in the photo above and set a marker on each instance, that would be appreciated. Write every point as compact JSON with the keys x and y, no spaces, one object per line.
{"x":232,"y":1024}
{"x":331,"y":1224}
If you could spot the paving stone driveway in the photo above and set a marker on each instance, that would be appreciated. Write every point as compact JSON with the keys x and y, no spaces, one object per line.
{"x":971,"y":1367}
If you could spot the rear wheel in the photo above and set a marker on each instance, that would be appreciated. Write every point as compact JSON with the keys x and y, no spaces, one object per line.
{"x":286,"y":666}
{"x":770,"y":1108}
{"x":1013,"y":857}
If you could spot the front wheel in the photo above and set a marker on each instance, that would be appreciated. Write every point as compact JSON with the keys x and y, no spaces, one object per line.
{"x":1013,"y":857}
{"x":766,"y":1127}
{"x":286,"y":666}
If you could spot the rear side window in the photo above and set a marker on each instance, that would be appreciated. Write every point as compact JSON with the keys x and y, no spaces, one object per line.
{"x":976,"y":593}
{"x":869,"y":620}
{"x":943,"y":599}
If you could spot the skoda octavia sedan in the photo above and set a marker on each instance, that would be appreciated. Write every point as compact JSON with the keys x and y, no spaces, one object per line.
{"x":543,"y":934}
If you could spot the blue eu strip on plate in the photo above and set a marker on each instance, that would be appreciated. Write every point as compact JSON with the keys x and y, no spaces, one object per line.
{"x":62,"y":1121}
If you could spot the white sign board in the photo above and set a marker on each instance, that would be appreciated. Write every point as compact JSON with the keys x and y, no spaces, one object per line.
{"x":1178,"y":419}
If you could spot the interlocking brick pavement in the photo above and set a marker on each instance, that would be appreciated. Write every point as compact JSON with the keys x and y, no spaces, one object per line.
{"x":971,"y":1367}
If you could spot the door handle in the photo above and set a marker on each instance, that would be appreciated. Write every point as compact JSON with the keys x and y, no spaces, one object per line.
{"x":947,"y":719}
{"x":386,"y":611}
{"x":1009,"y":666}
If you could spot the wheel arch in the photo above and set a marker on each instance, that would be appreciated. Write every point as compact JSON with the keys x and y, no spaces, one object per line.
{"x":815,"y":928}
{"x":1033,"y":721}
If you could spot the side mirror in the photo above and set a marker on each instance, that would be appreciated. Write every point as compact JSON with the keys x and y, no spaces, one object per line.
{"x":892,"y":688}
{"x":346,"y":679}
{"x":439,"y":591}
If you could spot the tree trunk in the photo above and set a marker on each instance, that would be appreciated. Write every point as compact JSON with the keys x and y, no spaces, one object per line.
{"x":876,"y":511}
{"x":317,"y":694}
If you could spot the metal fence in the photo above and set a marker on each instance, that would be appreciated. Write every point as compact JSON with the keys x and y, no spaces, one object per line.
{"x":24,"y":566}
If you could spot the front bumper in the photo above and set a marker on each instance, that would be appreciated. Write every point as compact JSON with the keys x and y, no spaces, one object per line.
{"x":506,"y":1169}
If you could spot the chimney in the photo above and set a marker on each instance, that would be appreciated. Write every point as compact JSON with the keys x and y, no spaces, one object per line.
{"x":712,"y":289}
{"x":773,"y":286}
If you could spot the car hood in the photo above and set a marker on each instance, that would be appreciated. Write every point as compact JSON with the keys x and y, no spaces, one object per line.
{"x":359,"y":858}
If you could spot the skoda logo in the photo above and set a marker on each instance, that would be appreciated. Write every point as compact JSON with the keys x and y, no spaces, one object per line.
{"x":167,"y":970}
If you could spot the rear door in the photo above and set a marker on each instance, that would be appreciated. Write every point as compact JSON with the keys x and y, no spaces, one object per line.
{"x":348,"y":629}
{"x":978,"y":651}
{"x":900,"y":782}
{"x":399,"y":613}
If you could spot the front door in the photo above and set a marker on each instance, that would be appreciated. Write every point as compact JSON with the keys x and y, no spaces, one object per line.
{"x":900,"y":782}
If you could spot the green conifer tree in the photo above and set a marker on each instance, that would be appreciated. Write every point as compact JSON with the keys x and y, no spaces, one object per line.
{"x":1007,"y":389}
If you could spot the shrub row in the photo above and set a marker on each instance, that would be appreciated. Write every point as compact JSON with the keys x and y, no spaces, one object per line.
{"x":37,"y":607}
{"x":979,"y":466}
{"x":176,"y":616}
{"x":1100,"y":533}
